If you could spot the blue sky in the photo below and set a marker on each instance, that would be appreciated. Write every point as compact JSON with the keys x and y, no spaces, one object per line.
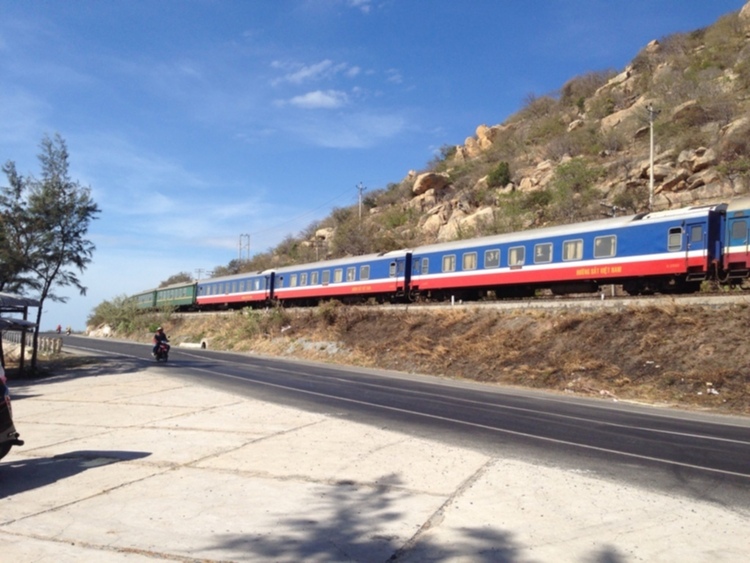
{"x":197,"y":121}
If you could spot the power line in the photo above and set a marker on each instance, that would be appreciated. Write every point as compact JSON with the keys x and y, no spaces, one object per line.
{"x":244,"y":237}
{"x":360,"y":189}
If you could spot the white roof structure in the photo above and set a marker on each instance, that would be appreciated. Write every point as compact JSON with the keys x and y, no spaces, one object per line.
{"x":11,"y":303}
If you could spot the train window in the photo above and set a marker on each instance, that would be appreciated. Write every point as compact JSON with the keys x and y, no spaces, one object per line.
{"x":605,"y":247}
{"x":573,"y":250}
{"x":293,"y":280}
{"x":364,"y":272}
{"x":416,"y":267}
{"x":351,"y":274}
{"x":675,"y":239}
{"x":314,"y":277}
{"x":492,"y":258}
{"x":696,"y":234}
{"x":469,"y":261}
{"x":256,"y":285}
{"x":234,"y":287}
{"x":739,"y":231}
{"x":449,"y":263}
{"x":326,"y":277}
{"x":516,"y":256}
{"x":425,"y":265}
{"x":338,"y":275}
{"x":543,"y":253}
{"x":303,"y":279}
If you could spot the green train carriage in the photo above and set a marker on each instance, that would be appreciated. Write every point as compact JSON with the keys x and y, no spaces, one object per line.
{"x":145,"y":300}
{"x":179,"y":296}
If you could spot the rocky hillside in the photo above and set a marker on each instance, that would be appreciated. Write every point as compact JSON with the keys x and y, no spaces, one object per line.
{"x":576,"y":154}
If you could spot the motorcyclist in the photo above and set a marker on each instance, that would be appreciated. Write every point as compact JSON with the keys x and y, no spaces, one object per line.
{"x":159,"y":337}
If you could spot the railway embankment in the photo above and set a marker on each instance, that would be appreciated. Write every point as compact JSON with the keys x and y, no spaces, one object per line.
{"x":690,"y":355}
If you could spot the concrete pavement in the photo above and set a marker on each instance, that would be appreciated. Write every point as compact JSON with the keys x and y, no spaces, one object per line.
{"x":146,"y":466}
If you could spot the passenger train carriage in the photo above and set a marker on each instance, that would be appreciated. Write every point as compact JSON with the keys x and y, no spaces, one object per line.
{"x":665,"y":251}
{"x":736,"y":252}
{"x":380,"y":276}
{"x":179,"y":296}
{"x":238,"y":289}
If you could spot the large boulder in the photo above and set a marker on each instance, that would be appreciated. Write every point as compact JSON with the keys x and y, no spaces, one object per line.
{"x":430,"y":181}
{"x":744,"y":16}
{"x":325,"y":233}
{"x":697,"y":160}
{"x":613,"y":120}
{"x":690,"y":111}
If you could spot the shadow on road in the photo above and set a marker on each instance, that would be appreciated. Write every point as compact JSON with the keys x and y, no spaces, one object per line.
{"x":23,"y":475}
{"x":354,"y":528}
{"x":76,"y":367}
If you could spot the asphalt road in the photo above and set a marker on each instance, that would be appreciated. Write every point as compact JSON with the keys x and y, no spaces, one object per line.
{"x":695,"y":454}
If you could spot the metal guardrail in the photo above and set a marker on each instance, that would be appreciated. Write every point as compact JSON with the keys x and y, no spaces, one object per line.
{"x":45,"y":344}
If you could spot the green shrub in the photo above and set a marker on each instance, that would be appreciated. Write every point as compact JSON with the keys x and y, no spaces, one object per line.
{"x":499,"y":176}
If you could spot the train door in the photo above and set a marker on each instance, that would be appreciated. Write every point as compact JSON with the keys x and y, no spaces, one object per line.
{"x":737,"y":251}
{"x":696,"y":247}
{"x":269,"y":285}
{"x":400,"y":271}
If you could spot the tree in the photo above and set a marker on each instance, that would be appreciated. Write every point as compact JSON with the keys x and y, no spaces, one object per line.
{"x":182,"y":277}
{"x":13,"y":234}
{"x":573,"y":190}
{"x":48,"y":218}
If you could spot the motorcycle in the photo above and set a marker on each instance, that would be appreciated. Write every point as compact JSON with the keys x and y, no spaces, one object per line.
{"x":8,"y":436}
{"x":162,"y":352}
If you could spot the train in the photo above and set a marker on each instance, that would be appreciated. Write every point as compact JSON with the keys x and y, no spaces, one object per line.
{"x":667,"y":252}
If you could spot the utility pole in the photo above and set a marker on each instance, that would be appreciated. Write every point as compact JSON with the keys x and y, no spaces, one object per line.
{"x":361,"y":189}
{"x":246,"y":247}
{"x":651,"y":113}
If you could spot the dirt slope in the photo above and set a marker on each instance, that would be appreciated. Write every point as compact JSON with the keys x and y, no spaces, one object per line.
{"x":685,"y":356}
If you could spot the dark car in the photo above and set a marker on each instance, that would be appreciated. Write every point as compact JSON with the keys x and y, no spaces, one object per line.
{"x":8,"y":435}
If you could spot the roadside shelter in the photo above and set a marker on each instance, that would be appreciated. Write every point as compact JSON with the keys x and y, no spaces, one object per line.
{"x":18,"y":307}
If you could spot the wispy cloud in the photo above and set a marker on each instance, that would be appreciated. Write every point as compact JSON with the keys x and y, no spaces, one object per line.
{"x":394,"y":76}
{"x":297,"y":73}
{"x":330,"y":99}
{"x":353,"y":131}
{"x":363,"y":5}
{"x":21,"y":118}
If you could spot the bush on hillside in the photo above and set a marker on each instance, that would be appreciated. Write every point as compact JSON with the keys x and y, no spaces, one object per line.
{"x":499,"y":176}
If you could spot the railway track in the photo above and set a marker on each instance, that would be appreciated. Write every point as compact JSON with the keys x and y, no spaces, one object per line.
{"x":600,"y":301}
